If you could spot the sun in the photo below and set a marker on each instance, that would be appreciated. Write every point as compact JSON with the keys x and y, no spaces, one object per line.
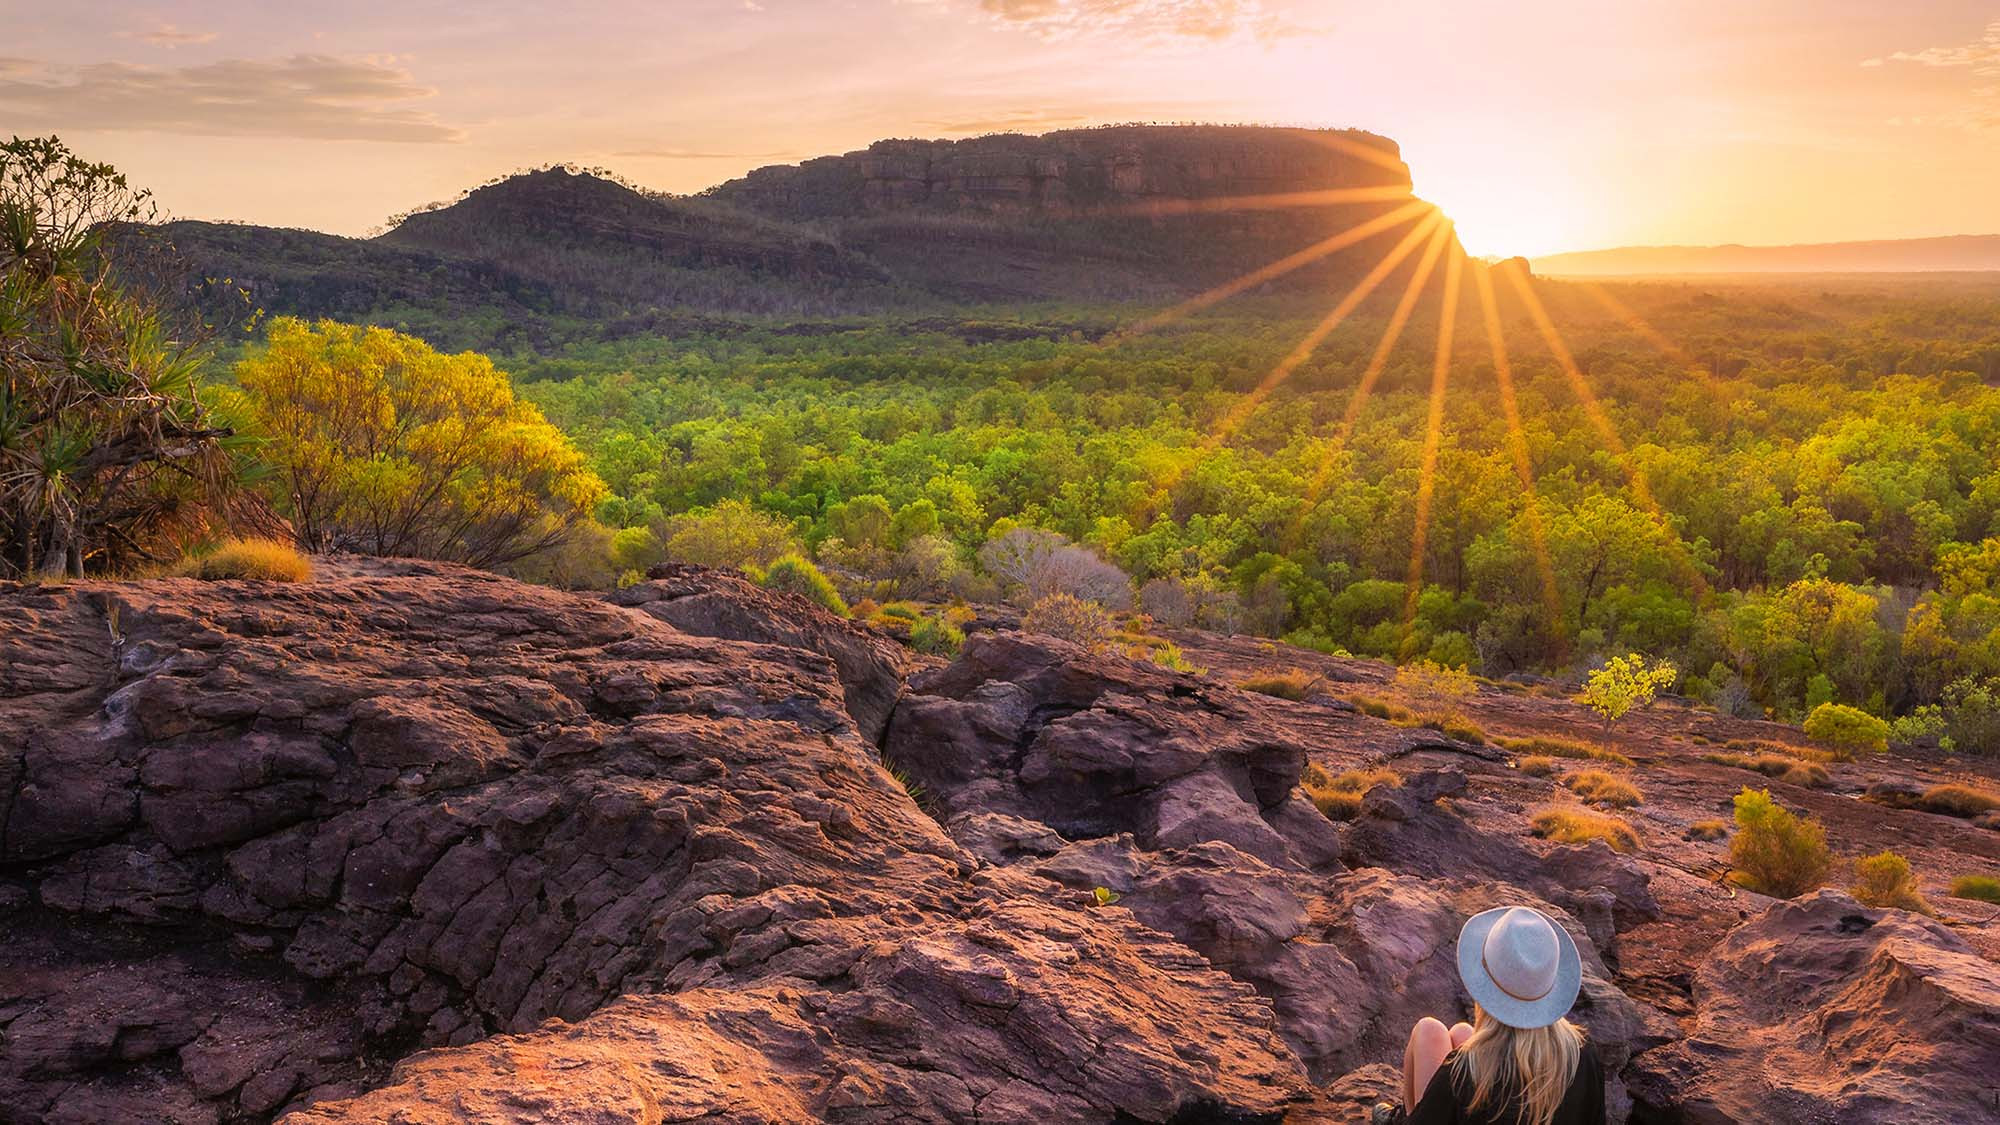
{"x":1499,"y":219}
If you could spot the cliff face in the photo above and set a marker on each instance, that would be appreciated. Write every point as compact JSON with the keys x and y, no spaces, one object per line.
{"x":1072,"y":171}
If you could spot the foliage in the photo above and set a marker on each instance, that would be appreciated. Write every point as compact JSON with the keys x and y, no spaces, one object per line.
{"x":729,"y":533}
{"x":1776,"y":852}
{"x":1625,"y":682}
{"x":1292,"y":684}
{"x":1846,"y":728}
{"x":264,"y":560}
{"x":1570,"y":825}
{"x":382,"y":445}
{"x":107,"y":456}
{"x":795,"y":574}
{"x":1069,"y":618}
{"x":1564,"y":748}
{"x":1039,"y":564}
{"x":1982,"y":888}
{"x":1972,"y":715}
{"x":1884,"y":880}
{"x":1455,"y":726}
{"x":936,"y":636}
{"x":1429,"y":683}
{"x":1171,"y":656}
{"x":1597,"y":787}
{"x":1339,"y":797}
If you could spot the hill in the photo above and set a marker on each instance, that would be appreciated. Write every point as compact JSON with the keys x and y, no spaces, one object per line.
{"x":1913,"y":255}
{"x":1144,"y":213}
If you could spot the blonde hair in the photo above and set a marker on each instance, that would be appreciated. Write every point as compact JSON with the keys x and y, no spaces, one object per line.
{"x":1531,"y":1065}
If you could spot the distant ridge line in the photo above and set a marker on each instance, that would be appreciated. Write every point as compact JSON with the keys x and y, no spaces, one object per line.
{"x":1945,"y":253}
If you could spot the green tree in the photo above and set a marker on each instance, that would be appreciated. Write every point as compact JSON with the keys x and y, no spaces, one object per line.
{"x":382,"y":445}
{"x":1625,"y":682}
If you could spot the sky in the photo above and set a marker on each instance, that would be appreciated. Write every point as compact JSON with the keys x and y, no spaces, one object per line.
{"x":1538,"y":125}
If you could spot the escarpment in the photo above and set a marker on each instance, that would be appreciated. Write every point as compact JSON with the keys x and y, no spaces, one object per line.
{"x":413,"y":842}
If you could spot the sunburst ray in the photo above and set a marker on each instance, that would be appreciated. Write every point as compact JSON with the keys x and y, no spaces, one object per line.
{"x":1433,"y":437}
{"x":1517,"y":445}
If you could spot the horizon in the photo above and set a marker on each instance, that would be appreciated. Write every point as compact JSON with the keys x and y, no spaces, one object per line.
{"x":1555,"y":129}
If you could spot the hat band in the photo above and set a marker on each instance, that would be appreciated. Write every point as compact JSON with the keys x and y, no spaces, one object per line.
{"x":1488,"y":969}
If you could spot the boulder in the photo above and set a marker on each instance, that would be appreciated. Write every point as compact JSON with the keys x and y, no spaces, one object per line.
{"x":1821,"y":1009}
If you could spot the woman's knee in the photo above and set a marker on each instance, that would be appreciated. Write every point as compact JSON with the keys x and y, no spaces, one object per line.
{"x":1431,"y":1036}
{"x":1460,"y":1032}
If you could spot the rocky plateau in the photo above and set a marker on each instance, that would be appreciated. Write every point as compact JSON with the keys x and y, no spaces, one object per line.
{"x":413,"y":843}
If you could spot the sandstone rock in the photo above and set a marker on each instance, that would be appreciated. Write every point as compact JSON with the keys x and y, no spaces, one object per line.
{"x":713,"y":603}
{"x":1821,"y":1009}
{"x":407,"y":804}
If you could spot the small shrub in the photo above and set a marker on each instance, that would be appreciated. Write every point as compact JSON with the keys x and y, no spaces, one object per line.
{"x":1982,"y":888}
{"x":1071,"y":619}
{"x":1625,"y":682}
{"x":1708,"y":830}
{"x":261,"y":560}
{"x":1339,"y":798}
{"x":1431,"y":682}
{"x":1564,"y":748}
{"x":1293,"y":684}
{"x":1884,"y":879}
{"x":902,"y":610}
{"x":1957,"y":800}
{"x":1537,"y":765}
{"x":1169,"y":655}
{"x":1775,"y":852}
{"x":1847,"y":728}
{"x":1380,"y":708}
{"x":865,"y":609}
{"x":1599,"y":788}
{"x":795,"y":574}
{"x":1580,"y":826}
{"x":936,"y":636}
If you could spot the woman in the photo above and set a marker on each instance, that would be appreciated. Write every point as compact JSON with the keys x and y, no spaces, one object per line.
{"x":1520,"y":1062}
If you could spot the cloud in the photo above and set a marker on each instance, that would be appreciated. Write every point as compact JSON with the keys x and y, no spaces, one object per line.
{"x":168,"y":36}
{"x":312,"y":96}
{"x":1982,"y":55}
{"x":1145,"y":19}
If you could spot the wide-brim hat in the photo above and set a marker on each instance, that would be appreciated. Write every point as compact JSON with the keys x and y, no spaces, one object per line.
{"x":1534,"y":994}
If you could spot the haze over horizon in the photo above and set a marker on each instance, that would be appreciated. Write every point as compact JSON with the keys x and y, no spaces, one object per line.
{"x":1558,"y":126}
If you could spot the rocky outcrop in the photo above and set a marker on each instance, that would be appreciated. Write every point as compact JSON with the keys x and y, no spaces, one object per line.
{"x":1177,"y":798}
{"x":409,"y":842}
{"x":1071,"y":170}
{"x":259,"y":841}
{"x":1822,"y":1009}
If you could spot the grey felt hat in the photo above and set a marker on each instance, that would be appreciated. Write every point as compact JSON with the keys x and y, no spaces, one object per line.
{"x":1519,"y":965}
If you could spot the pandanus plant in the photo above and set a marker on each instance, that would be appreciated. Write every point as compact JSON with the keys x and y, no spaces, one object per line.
{"x":107,"y":454}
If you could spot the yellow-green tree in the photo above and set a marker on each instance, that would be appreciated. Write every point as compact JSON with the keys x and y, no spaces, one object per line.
{"x":382,"y":445}
{"x":1625,"y":682}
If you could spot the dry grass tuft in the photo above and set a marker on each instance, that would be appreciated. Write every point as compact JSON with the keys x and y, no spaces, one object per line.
{"x":1957,"y":800}
{"x":262,"y":560}
{"x":1339,"y":798}
{"x":1580,"y":826}
{"x":1537,"y":765}
{"x":1708,"y":830}
{"x":1600,"y":788}
{"x":1792,"y":771}
{"x":1293,"y":685}
{"x":1381,"y":708}
{"x":1564,"y":748}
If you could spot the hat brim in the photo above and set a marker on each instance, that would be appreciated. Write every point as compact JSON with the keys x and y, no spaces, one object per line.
{"x":1494,"y":1000}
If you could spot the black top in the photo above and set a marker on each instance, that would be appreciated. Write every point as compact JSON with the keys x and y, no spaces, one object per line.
{"x":1445,"y":1099}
